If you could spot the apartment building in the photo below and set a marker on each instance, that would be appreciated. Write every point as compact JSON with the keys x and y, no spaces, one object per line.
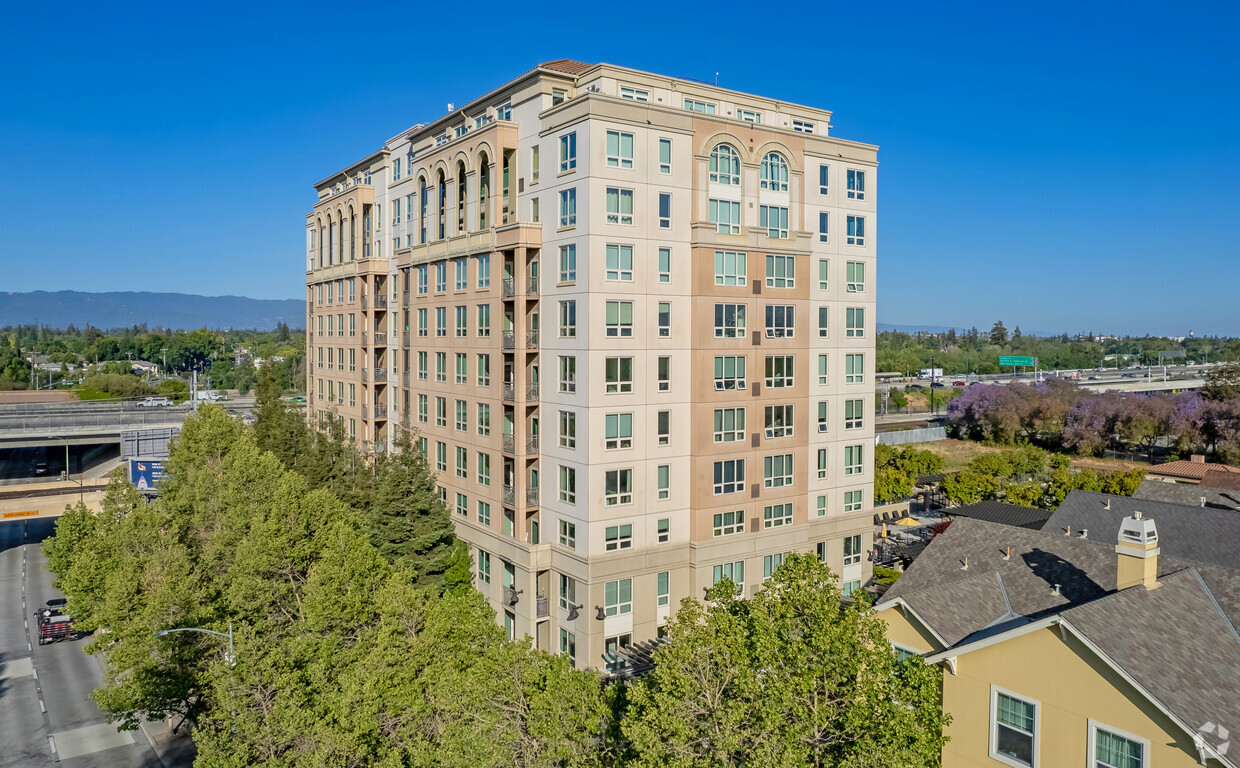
{"x":630,"y":320}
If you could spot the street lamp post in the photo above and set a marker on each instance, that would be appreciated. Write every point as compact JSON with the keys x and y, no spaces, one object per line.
{"x":230,"y":659}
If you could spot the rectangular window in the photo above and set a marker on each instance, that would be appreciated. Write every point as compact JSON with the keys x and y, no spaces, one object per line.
{"x":462,"y":416}
{"x":821,"y":506}
{"x":729,"y":372}
{"x":665,"y":210}
{"x":1013,"y":729}
{"x":568,"y":319}
{"x":824,"y":322}
{"x":441,"y":321}
{"x":729,"y":425}
{"x":822,"y":416}
{"x":775,"y":515}
{"x":1109,"y":748}
{"x":484,"y":271}
{"x":619,"y":319}
{"x":568,"y":485}
{"x":462,"y":321}
{"x":665,"y":265}
{"x":779,"y":371}
{"x":730,"y":268}
{"x":568,"y":430}
{"x":733,"y":571}
{"x":568,"y":263}
{"x":619,"y":205}
{"x":441,"y":366}
{"x":779,"y":321}
{"x":618,"y":374}
{"x":824,"y":227}
{"x":619,"y":430}
{"x":774,"y":219}
{"x":726,"y":216}
{"x":619,"y":149}
{"x":462,"y":275}
{"x":568,"y":534}
{"x":568,"y":646}
{"x":664,"y":473}
{"x":855,"y":276}
{"x":534,"y":164}
{"x":618,"y":597}
{"x":854,"y":414}
{"x":568,"y":374}
{"x":728,"y":523}
{"x":484,"y":468}
{"x":462,"y":373}
{"x":568,"y":152}
{"x":729,"y":321}
{"x":854,"y":369}
{"x":619,"y":262}
{"x":822,"y":369}
{"x":423,"y":323}
{"x":852,"y":501}
{"x":664,"y":373}
{"x":856,"y":185}
{"x":749,"y":116}
{"x":441,"y":456}
{"x":441,"y":276}
{"x":484,"y":370}
{"x":771,"y":563}
{"x":854,"y":323}
{"x":664,"y":424}
{"x":779,"y":421}
{"x":849,"y":587}
{"x":484,"y":419}
{"x":634,"y":94}
{"x":484,"y":320}
{"x":777,"y":470}
{"x":568,"y":588}
{"x":422,"y":279}
{"x":856,"y":230}
{"x":618,"y":537}
{"x":664,"y":593}
{"x":852,"y":460}
{"x":823,"y":187}
{"x":665,"y":319}
{"x":568,"y":208}
{"x":665,"y":156}
{"x":729,"y":476}
{"x":558,"y":96}
{"x":484,"y":567}
{"x":802,"y":126}
{"x":441,"y":412}
{"x":781,"y":271}
{"x":617,"y":487}
{"x":852,"y":549}
{"x":423,"y":408}
{"x":462,"y":462}
{"x":705,"y":107}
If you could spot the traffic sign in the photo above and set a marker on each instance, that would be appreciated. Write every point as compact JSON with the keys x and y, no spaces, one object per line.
{"x":1025,"y":362}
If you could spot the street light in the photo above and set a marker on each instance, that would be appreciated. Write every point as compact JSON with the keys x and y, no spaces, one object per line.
{"x":230,"y":659}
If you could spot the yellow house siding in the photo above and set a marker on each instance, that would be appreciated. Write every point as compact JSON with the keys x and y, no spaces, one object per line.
{"x":1071,"y":685}
{"x":907,"y":632}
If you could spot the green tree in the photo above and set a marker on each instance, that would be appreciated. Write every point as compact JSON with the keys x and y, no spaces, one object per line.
{"x":891,"y":484}
{"x":1222,"y":382}
{"x":998,"y":334}
{"x":969,"y":486}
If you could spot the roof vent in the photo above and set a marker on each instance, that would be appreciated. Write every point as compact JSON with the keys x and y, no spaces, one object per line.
{"x":1084,"y":533}
{"x":1055,"y":590}
{"x":965,"y":565}
{"x":1203,"y":502}
{"x":1108,"y":503}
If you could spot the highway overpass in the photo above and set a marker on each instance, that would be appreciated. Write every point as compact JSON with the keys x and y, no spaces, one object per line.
{"x":81,"y":423}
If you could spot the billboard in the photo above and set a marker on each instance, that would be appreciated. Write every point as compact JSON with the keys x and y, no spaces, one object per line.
{"x":145,"y":474}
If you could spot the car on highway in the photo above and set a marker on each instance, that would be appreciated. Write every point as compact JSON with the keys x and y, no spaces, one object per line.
{"x":1202,"y":372}
{"x":958,"y":384}
{"x":153,"y":402}
{"x":937,"y":385}
{"x":916,"y":387}
{"x":1095,"y":378}
{"x":297,"y":399}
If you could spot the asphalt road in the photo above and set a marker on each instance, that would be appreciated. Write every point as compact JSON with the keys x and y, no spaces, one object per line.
{"x":58,"y":678}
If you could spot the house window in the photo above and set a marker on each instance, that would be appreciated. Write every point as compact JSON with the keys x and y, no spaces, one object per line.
{"x":665,"y":156}
{"x":634,"y":94}
{"x":568,"y":589}
{"x":484,"y":513}
{"x":617,"y":487}
{"x":484,"y":320}
{"x":852,"y":501}
{"x":568,"y":430}
{"x":568,"y":646}
{"x":613,"y":644}
{"x":852,"y":549}
{"x":441,"y":321}
{"x":423,"y":408}
{"x":771,"y":563}
{"x":733,"y":571}
{"x":855,"y":276}
{"x":824,"y":228}
{"x":568,"y":263}
{"x":854,"y":322}
{"x":728,"y":523}
{"x":729,"y":321}
{"x":422,"y":322}
{"x":462,"y":505}
{"x":823,"y":187}
{"x":822,"y":369}
{"x":422,"y":280}
{"x":729,"y":476}
{"x":558,"y":95}
{"x":441,"y":412}
{"x":856,"y":185}
{"x":484,"y":567}
{"x":822,"y":469}
{"x":665,"y":265}
{"x":462,"y":275}
{"x":618,"y":537}
{"x":568,"y":152}
{"x":821,"y":507}
{"x":776,"y":515}
{"x":619,"y":319}
{"x":619,"y":206}
{"x":779,"y":371}
{"x":568,"y":319}
{"x":777,"y":470}
{"x":484,"y":467}
{"x":568,"y":208}
{"x":663,"y":530}
{"x":568,"y":485}
{"x":852,"y":460}
{"x":462,"y":372}
{"x":568,"y":374}
{"x":484,"y":419}
{"x":749,"y":116}
{"x":725,"y":165}
{"x":781,"y":271}
{"x":824,"y":321}
{"x":849,"y":587}
{"x":773,"y":174}
{"x":730,"y":268}
{"x":779,"y":421}
{"x":664,"y":373}
{"x":664,"y":426}
{"x":726,"y":216}
{"x":618,"y":374}
{"x":802,"y":126}
{"x":774,"y":219}
{"x":1109,"y":748}
{"x":484,"y":271}
{"x":619,"y":430}
{"x":729,"y":425}
{"x":462,"y":321}
{"x":779,"y":321}
{"x":620,"y":262}
{"x":665,"y":210}
{"x":484,"y":370}
{"x":618,"y":596}
{"x":619,"y":149}
{"x":462,"y":417}
{"x":664,"y":592}
{"x":665,"y":319}
{"x":1013,"y":728}
{"x":854,"y":369}
{"x":664,"y":473}
{"x":441,"y":366}
{"x":856,"y":230}
{"x":534,"y":165}
{"x":729,"y":372}
{"x":568,"y":534}
{"x":693,"y":105}
{"x":441,"y":276}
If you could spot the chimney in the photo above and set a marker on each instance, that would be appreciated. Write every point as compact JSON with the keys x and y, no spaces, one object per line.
{"x":1197,"y":458}
{"x":1138,"y":553}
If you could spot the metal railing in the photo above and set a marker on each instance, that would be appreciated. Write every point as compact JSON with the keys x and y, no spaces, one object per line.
{"x":404,"y":379}
{"x":381,"y":411}
{"x":531,"y":445}
{"x":531,"y":392}
{"x":404,"y":338}
{"x":510,"y":494}
{"x":365,"y":343}
{"x":404,"y":298}
{"x":365,"y":375}
{"x":531,"y":287}
{"x":509,"y":288}
{"x":544,"y":606}
{"x":381,"y":375}
{"x":510,"y":340}
{"x":71,"y":421}
{"x":531,"y":497}
{"x":365,"y":412}
{"x":509,"y":393}
{"x":531,"y":340}
{"x":380,"y":302}
{"x":365,"y":301}
{"x":509,"y":444}
{"x":380,"y":339}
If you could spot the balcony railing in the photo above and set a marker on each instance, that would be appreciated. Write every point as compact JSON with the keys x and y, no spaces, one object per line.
{"x":365,"y":412}
{"x":531,"y":392}
{"x":510,"y":495}
{"x":404,"y":298}
{"x":381,"y":302}
{"x":404,"y":338}
{"x":531,"y":287}
{"x":380,"y":411}
{"x":365,"y":375}
{"x":404,"y":379}
{"x":531,"y":497}
{"x":510,"y":340}
{"x":531,"y":340}
{"x":544,"y":606}
{"x":365,"y":301}
{"x":380,"y":339}
{"x":510,"y":394}
{"x":310,"y":337}
{"x":509,"y":288}
{"x":381,"y":375}
{"x":531,"y":445}
{"x":365,"y":343}
{"x":510,"y":444}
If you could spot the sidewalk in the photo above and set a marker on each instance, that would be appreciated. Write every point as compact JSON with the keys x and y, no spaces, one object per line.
{"x":172,"y":750}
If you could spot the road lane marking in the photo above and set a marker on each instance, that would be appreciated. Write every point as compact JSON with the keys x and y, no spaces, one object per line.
{"x":90,"y":739}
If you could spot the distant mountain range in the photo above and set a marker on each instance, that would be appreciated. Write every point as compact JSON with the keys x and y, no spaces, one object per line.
{"x":58,"y":309}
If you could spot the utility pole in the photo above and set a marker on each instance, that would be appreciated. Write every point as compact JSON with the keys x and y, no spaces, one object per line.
{"x":932,"y":373}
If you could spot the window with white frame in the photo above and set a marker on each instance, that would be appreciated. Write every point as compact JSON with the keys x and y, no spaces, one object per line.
{"x":619,"y":262}
{"x":803,"y":126}
{"x":729,"y":372}
{"x":422,"y":322}
{"x":781,"y":271}
{"x":824,"y":274}
{"x":441,"y":321}
{"x":852,"y":501}
{"x":568,"y":430}
{"x":568,"y":263}
{"x":729,"y":476}
{"x":663,"y":373}
{"x":484,"y":370}
{"x":441,"y":411}
{"x":484,"y":320}
{"x":568,"y":485}
{"x":774,"y":219}
{"x":665,"y":265}
{"x":665,"y":319}
{"x":619,"y":319}
{"x":730,"y":268}
{"x":1013,"y":728}
{"x":854,"y":414}
{"x":852,"y":549}
{"x":853,"y":459}
{"x":1111,"y":748}
{"x":705,"y":107}
{"x":777,"y":470}
{"x":663,"y":427}
{"x":729,"y":425}
{"x":725,"y":165}
{"x":728,"y":523}
{"x":441,"y":277}
{"x":779,"y":321}
{"x":822,"y":369}
{"x":568,"y":590}
{"x":462,"y":461}
{"x":775,"y":515}
{"x":568,"y":152}
{"x":854,"y":369}
{"x":568,"y":374}
{"x":732,"y":571}
{"x":619,"y":149}
{"x":854,"y":322}
{"x":665,"y":210}
{"x":462,"y":369}
{"x":725,"y":215}
{"x":462,"y":321}
{"x":779,"y":421}
{"x":856,"y":230}
{"x":824,"y":320}
{"x":568,"y":319}
{"x":484,"y":513}
{"x":619,"y":205}
{"x":729,"y":321}
{"x":822,"y":473}
{"x":462,"y":415}
{"x":618,"y":596}
{"x":823,"y":180}
{"x":773,"y":174}
{"x":771,"y":563}
{"x":779,"y":371}
{"x":665,"y":156}
{"x":634,"y":94}
{"x":664,"y":490}
{"x":568,"y":534}
{"x":663,"y":587}
{"x":854,"y":276}
{"x":568,"y":208}
{"x":484,"y":271}
{"x":462,"y":274}
{"x":484,"y":465}
{"x":618,"y":375}
{"x":824,"y":227}
{"x":617,"y":487}
{"x":441,"y":366}
{"x":856,"y":185}
{"x":616,"y":537}
{"x":484,"y":567}
{"x":619,"y":430}
{"x":749,"y":115}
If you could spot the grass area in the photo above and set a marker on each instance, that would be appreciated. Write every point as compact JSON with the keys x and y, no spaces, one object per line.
{"x":87,"y":393}
{"x":956,"y":454}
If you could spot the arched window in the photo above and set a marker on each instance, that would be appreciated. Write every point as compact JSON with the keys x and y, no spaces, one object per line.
{"x":352,"y":241}
{"x":484,"y":190}
{"x":422,"y":190}
{"x":441,"y":191}
{"x":725,"y":165}
{"x":774,"y":172}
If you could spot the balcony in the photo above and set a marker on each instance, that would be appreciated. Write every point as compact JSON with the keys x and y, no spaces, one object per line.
{"x":365,"y":374}
{"x":531,"y":287}
{"x":531,"y":445}
{"x":531,"y":497}
{"x":381,"y":411}
{"x":380,"y":375}
{"x":544,"y":606}
{"x":380,"y":339}
{"x":531,"y":392}
{"x":381,"y":302}
{"x":365,"y":301}
{"x":531,"y":340}
{"x":509,"y":394}
{"x":404,"y":379}
{"x":365,"y":412}
{"x":509,"y":288}
{"x":510,"y":495}
{"x":365,"y":343}
{"x":510,"y":444}
{"x":310,"y":337}
{"x":510,"y":340}
{"x":404,"y":298}
{"x":404,"y":338}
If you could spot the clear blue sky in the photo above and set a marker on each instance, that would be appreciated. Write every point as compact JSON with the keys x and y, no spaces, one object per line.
{"x":1061,"y":166}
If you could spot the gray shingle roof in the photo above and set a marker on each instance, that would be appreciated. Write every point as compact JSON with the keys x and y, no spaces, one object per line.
{"x":1007,"y":514}
{"x":1190,"y":495}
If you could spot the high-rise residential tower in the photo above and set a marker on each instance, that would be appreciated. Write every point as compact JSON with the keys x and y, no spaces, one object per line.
{"x":630,"y":319}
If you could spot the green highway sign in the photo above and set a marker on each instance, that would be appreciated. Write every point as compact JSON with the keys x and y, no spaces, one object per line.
{"x":1026,"y":362}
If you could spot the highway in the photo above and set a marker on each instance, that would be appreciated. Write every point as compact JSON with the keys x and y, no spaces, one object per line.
{"x":1131,"y":379}
{"x":30,"y":425}
{"x":45,"y":708}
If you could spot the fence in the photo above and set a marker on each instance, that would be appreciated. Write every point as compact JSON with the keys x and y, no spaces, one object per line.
{"x":904,"y":436}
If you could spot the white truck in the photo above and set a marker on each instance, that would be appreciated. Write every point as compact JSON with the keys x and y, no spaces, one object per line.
{"x":930,"y":373}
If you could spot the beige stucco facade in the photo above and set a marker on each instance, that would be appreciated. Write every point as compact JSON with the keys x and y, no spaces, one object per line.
{"x":490,"y":248}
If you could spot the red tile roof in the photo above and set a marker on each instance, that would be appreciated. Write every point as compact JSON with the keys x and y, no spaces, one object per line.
{"x":567,"y":66}
{"x":1189,"y":469}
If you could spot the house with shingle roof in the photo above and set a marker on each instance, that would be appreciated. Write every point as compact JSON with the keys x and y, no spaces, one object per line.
{"x":1110,"y":646}
{"x":1189,"y":495}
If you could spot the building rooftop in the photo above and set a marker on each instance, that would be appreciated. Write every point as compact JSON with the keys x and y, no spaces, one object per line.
{"x":1222,"y":479}
{"x":1007,"y":514}
{"x":567,"y":66}
{"x":1189,"y":495}
{"x":1193,"y":469}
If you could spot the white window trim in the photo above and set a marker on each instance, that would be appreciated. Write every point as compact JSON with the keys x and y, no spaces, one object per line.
{"x":994,"y":726}
{"x":1095,"y":726}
